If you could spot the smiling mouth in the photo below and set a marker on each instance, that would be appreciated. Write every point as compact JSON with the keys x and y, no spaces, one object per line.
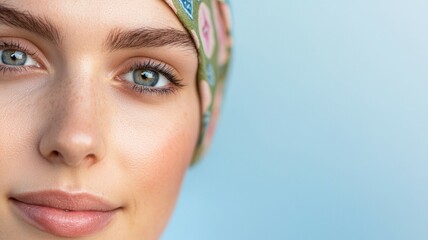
{"x":64,"y":214}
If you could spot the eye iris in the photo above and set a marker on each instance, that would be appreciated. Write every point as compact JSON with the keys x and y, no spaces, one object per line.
{"x":146,"y":78}
{"x":13,"y":57}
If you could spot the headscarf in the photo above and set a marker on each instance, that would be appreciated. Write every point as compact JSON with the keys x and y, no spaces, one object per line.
{"x":208,"y":22}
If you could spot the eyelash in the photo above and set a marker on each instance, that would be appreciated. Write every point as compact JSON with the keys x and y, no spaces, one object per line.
{"x":161,"y":68}
{"x":18,"y":47}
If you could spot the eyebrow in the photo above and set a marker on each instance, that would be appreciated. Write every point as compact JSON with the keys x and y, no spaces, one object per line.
{"x":117,"y":38}
{"x":24,"y":20}
{"x":149,"y":37}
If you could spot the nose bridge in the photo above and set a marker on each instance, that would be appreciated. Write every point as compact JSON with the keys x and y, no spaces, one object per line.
{"x":78,"y":96}
{"x":74,"y":135}
{"x":78,"y":108}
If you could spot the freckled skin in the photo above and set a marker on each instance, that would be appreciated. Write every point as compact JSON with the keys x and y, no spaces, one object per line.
{"x":71,"y":126}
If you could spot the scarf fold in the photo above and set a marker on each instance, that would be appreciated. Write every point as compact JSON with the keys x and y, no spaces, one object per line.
{"x":209,"y":24}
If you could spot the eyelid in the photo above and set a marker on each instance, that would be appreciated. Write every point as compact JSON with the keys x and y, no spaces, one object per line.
{"x":133,"y":63}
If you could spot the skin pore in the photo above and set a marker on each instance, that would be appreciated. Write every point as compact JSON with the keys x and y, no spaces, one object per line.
{"x":79,"y":116}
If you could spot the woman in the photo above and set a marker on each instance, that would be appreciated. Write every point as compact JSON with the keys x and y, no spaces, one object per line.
{"x":103,"y":106}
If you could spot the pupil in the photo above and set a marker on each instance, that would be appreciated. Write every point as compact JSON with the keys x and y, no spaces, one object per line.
{"x":147,"y":75}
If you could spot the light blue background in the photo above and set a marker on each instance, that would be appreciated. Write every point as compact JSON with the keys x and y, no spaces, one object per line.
{"x":324,"y":132}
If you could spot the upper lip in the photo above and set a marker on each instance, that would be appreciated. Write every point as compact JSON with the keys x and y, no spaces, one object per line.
{"x":66,"y":201}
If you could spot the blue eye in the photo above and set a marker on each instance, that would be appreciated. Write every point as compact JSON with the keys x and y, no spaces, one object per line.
{"x":152,"y":78}
{"x":16,"y":58}
{"x":146,"y":78}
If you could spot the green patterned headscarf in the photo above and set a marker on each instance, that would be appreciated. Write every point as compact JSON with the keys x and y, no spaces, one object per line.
{"x":208,"y":22}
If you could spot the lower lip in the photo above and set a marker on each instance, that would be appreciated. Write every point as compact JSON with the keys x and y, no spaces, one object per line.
{"x":64,"y":223}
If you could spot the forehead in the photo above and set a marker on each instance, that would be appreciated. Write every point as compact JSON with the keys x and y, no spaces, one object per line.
{"x":77,"y":15}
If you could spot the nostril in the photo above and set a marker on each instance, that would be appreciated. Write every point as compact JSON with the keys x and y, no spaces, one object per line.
{"x":54,"y":155}
{"x":71,"y":145}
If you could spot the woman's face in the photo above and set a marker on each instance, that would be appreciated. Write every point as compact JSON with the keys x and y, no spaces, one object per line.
{"x":99,"y":117}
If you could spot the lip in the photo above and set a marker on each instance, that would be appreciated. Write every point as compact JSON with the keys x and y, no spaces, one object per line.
{"x":64,"y":214}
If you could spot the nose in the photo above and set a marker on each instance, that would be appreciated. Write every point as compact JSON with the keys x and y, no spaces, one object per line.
{"x":73,"y":135}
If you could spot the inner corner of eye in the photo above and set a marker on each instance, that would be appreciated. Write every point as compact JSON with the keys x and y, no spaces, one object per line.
{"x":128,"y":74}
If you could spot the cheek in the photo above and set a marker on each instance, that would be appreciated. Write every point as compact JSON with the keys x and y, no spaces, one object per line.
{"x":153,"y":147}
{"x":19,"y":122}
{"x":19,"y":112}
{"x":150,"y":147}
